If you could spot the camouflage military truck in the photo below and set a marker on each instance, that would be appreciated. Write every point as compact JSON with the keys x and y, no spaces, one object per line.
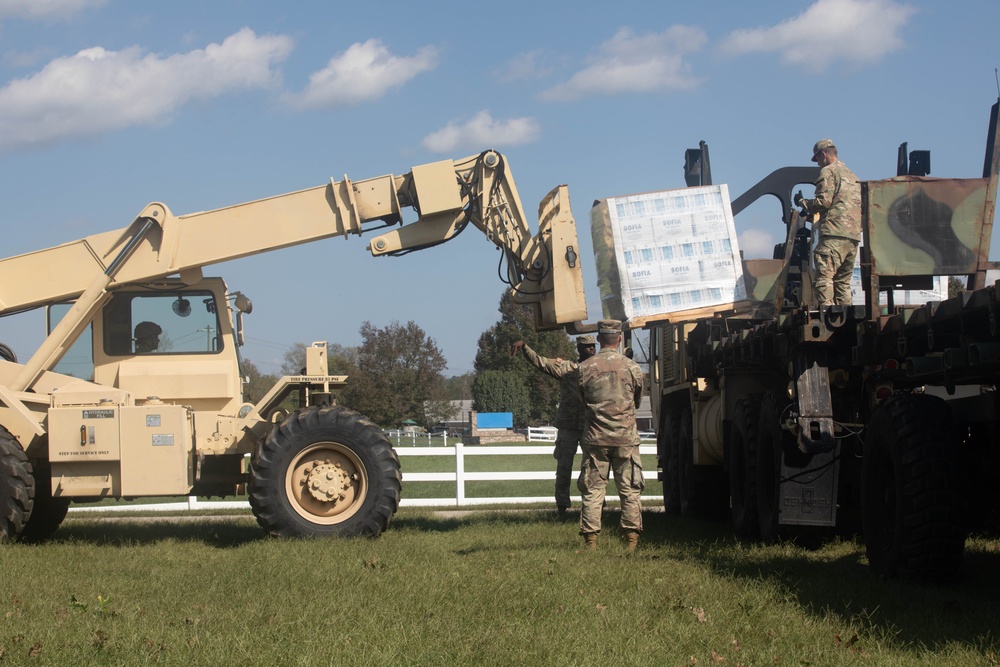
{"x":879,"y":418}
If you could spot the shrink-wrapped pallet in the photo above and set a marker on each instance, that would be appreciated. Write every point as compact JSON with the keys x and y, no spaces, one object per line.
{"x":664,"y":252}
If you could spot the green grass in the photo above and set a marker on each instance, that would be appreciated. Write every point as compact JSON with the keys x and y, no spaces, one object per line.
{"x":483,"y":588}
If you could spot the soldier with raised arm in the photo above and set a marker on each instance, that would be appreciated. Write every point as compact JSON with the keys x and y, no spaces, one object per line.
{"x":570,"y":415}
{"x":611,"y":389}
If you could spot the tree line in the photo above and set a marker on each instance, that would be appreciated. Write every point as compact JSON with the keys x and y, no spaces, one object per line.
{"x":397,"y":372}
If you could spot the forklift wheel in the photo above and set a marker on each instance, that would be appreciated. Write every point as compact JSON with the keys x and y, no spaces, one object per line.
{"x":17,"y":487}
{"x":325,"y":471}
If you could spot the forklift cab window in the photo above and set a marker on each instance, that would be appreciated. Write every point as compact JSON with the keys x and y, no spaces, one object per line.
{"x":167,"y":323}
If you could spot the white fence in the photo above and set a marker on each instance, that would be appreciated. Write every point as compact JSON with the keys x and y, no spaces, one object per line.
{"x":535,"y":434}
{"x":461,"y":477}
{"x":542,"y":434}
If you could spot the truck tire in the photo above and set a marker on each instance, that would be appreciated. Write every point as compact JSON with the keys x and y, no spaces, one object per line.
{"x":17,"y":487}
{"x":325,"y":471}
{"x":687,"y":485}
{"x":702,"y":490}
{"x":742,"y":464}
{"x":912,"y":510}
{"x":667,"y":445}
{"x":767,"y":467}
{"x":47,"y":513}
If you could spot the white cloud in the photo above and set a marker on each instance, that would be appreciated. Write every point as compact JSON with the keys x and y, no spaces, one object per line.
{"x":629,"y":63}
{"x":36,"y":9}
{"x":859,"y":32}
{"x":481,"y":132}
{"x":363,"y":72}
{"x":97,"y":91}
{"x":756,"y":243}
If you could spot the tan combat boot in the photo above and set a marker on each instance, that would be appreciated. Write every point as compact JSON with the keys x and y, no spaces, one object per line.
{"x":631,"y":540}
{"x":590,"y":541}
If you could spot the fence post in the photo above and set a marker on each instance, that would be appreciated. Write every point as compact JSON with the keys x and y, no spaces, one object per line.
{"x":459,"y":472}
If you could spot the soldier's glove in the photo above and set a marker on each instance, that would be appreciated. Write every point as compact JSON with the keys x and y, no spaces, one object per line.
{"x":800,"y":201}
{"x":516,"y":347}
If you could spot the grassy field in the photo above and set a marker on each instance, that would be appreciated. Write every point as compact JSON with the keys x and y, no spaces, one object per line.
{"x":507,"y":587}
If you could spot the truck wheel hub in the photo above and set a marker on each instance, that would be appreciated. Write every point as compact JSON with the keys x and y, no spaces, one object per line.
{"x":328,"y":482}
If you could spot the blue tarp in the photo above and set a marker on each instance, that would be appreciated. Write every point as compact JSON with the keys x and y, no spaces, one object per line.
{"x":495,"y":419}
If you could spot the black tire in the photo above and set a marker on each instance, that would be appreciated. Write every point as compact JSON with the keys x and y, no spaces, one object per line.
{"x":742,"y":464}
{"x":687,"y":487}
{"x":703,"y":492}
{"x":912,"y":509}
{"x":771,"y":442}
{"x":17,"y":487}
{"x":325,"y":471}
{"x":7,"y":353}
{"x":667,"y":439}
{"x":47,"y":513}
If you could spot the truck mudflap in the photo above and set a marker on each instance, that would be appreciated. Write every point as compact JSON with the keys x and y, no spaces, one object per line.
{"x":808,"y":494}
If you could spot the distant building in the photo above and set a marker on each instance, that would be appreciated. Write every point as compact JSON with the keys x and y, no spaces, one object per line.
{"x":463,"y":410}
{"x":459,"y":423}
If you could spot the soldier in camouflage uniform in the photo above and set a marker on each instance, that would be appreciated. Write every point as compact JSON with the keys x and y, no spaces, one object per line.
{"x":838,"y":202}
{"x":570,"y":415}
{"x":611,"y":388}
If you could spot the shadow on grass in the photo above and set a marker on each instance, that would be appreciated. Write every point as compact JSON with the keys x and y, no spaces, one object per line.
{"x":221,"y":532}
{"x":827,"y":574}
{"x":823,"y":573}
{"x":443,"y":521}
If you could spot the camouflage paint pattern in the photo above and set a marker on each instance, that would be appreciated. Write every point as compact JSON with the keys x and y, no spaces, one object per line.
{"x":761,"y":278}
{"x":571,"y":412}
{"x":570,"y":417}
{"x":567,"y":442}
{"x":626,"y":465}
{"x":834,"y":257}
{"x":927,"y":226}
{"x":838,"y":202}
{"x":611,"y":388}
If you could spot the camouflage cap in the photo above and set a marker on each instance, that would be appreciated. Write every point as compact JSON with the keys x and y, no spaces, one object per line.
{"x":586,"y":340}
{"x":609,"y":327}
{"x":821,"y":145}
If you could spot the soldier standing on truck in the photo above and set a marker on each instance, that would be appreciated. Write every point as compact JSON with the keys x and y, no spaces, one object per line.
{"x":838,"y":202}
{"x":570,"y":417}
{"x":611,"y":388}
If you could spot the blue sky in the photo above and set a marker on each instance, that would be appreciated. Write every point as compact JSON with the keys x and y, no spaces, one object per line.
{"x":106,"y":106}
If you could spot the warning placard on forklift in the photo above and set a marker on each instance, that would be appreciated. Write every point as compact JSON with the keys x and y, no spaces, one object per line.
{"x":667,"y":251}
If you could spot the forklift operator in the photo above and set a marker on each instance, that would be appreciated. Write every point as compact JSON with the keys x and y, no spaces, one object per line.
{"x":147,"y":337}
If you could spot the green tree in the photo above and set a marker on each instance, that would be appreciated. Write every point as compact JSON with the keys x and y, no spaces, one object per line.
{"x":955,"y":286}
{"x":340,"y":359}
{"x":517,"y":323}
{"x":398,"y":375}
{"x":502,"y":391}
{"x":459,"y":387}
{"x":258,"y":384}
